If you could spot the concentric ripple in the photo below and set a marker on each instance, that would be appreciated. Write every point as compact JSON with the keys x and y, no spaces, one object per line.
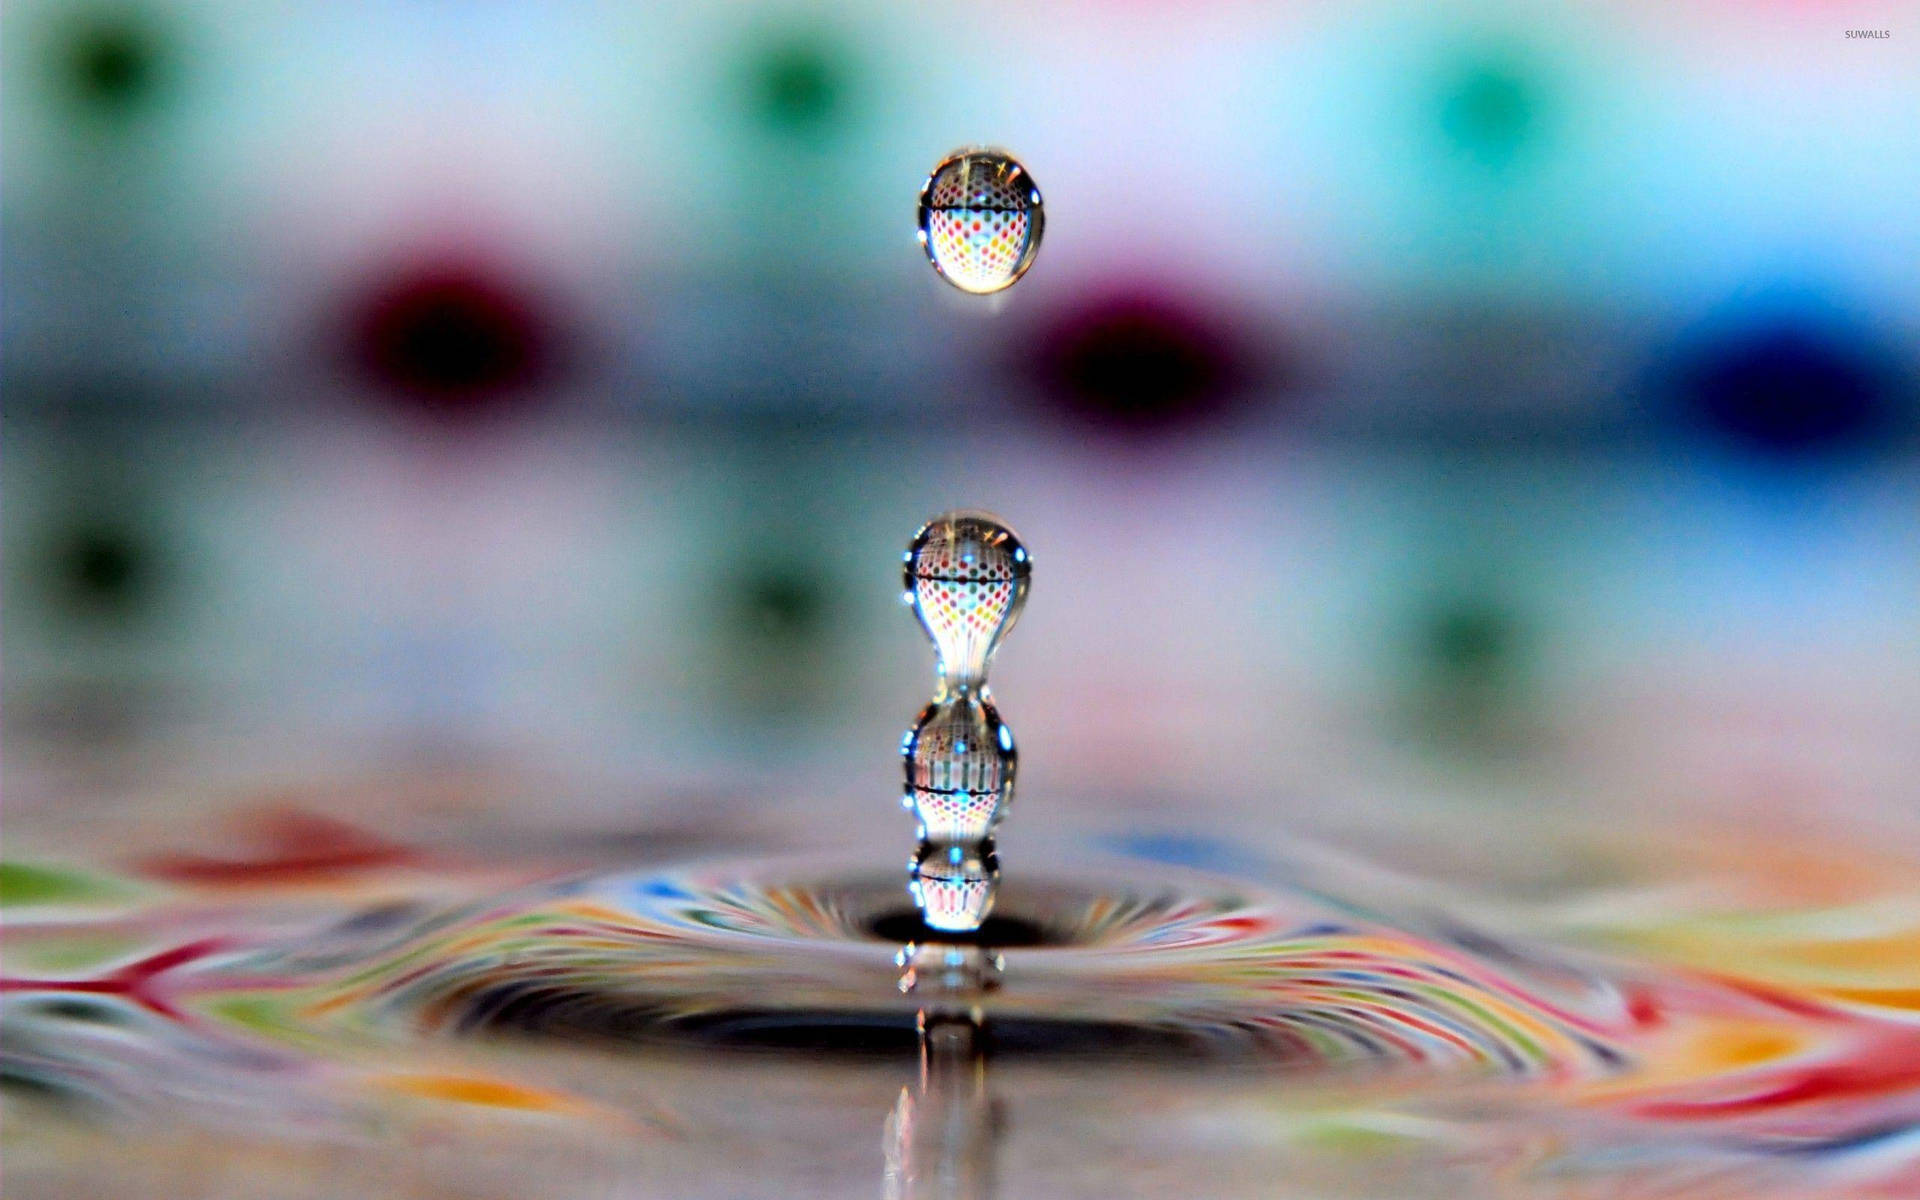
{"x":760,"y":957}
{"x":1785,"y":1050}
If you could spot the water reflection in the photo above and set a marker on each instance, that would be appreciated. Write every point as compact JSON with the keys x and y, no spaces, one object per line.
{"x":942,"y":1136}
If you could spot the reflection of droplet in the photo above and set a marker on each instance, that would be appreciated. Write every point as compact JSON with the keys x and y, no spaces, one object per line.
{"x":960,"y":767}
{"x":940,"y":1141}
{"x":980,"y":220}
{"x":954,"y":885}
{"x":943,"y":971}
{"x":966,"y":577}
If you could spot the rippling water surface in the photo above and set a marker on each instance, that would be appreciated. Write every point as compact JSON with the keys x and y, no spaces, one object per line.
{"x":349,"y":1010}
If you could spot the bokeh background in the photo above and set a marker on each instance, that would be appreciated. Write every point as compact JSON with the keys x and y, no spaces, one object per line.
{"x":1427,"y":422}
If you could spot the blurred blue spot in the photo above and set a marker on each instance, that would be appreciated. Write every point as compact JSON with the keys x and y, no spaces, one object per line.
{"x":1787,"y":386}
{"x":661,"y":889}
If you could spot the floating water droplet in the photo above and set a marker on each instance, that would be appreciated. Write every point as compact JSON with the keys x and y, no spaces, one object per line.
{"x":980,"y":220}
{"x":954,"y":884}
{"x":960,"y":767}
{"x":968,"y":575}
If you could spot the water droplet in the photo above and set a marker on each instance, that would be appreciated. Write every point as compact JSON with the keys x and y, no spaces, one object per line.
{"x":980,"y":220}
{"x":954,"y":885}
{"x":968,"y":576}
{"x":960,"y":766}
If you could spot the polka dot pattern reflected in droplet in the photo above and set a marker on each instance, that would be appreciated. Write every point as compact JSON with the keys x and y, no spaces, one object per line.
{"x":960,"y":769}
{"x":966,"y":574}
{"x":980,"y":220}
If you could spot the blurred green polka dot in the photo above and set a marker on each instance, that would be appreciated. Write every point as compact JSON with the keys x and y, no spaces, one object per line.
{"x":777,"y":637}
{"x":778,"y":607}
{"x":110,"y":63}
{"x":1468,"y":670}
{"x":799,"y":83}
{"x":1470,"y":641}
{"x":102,"y":568}
{"x":1490,"y":110}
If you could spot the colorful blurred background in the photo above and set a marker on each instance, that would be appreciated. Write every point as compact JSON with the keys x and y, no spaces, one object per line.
{"x":1418,"y":416}
{"x":457,"y":456}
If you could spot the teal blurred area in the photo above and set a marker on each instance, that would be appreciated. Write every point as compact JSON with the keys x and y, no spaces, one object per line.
{"x":1510,"y":405}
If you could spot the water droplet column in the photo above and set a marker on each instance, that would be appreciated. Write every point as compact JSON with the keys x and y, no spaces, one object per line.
{"x":966,"y":577}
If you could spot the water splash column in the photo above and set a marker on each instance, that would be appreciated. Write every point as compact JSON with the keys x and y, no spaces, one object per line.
{"x":966,"y":577}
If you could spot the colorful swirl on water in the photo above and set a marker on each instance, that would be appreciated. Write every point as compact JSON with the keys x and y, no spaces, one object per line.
{"x":1810,"y":1056}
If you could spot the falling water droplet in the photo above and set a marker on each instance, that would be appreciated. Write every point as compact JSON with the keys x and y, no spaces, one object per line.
{"x":954,"y":884}
{"x":960,"y":767}
{"x":980,"y":220}
{"x":968,"y":575}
